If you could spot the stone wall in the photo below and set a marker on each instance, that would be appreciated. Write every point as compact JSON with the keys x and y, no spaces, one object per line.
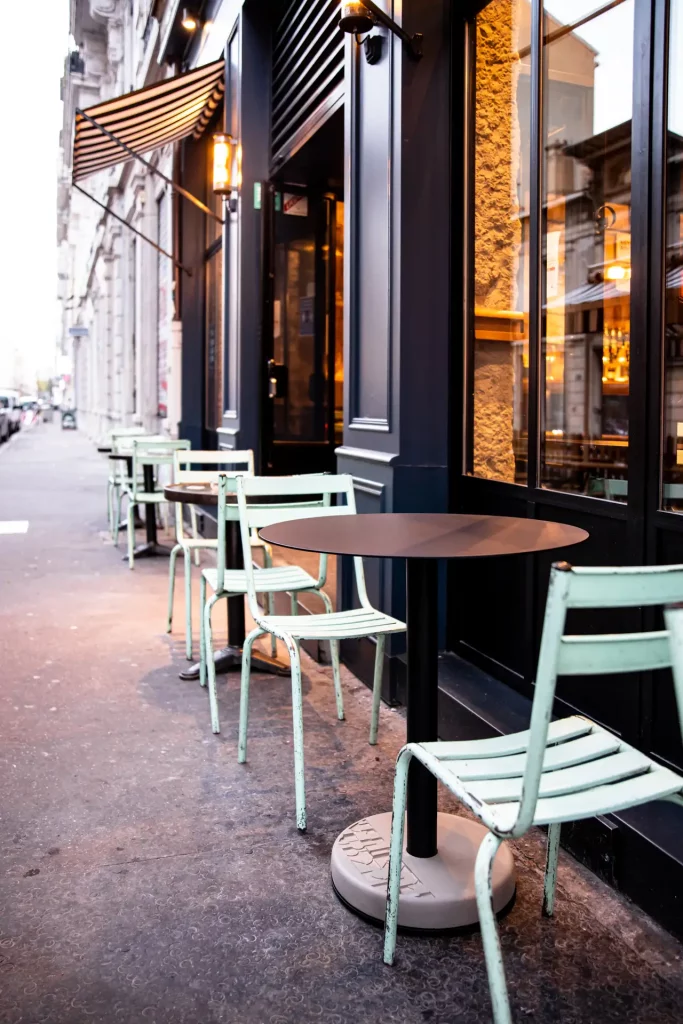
{"x":497,"y":236}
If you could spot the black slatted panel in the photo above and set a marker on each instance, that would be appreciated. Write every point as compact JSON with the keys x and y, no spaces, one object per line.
{"x":308,"y":71}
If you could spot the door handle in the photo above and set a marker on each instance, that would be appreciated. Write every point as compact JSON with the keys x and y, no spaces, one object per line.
{"x":272,"y":387}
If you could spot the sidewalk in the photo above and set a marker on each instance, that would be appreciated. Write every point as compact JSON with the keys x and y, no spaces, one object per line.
{"x":145,"y":876}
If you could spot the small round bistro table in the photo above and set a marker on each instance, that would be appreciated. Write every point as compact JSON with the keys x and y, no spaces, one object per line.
{"x":229,"y":658}
{"x":437,"y":890}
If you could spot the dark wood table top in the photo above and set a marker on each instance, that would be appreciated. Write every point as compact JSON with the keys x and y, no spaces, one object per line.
{"x":192,"y":494}
{"x":104,"y":449}
{"x":422,"y":535}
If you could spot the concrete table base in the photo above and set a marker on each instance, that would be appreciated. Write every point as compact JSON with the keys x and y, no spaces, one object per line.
{"x":437,"y":893}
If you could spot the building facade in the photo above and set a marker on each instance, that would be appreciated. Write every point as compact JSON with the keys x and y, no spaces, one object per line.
{"x":459,"y":279}
{"x":118,"y":330}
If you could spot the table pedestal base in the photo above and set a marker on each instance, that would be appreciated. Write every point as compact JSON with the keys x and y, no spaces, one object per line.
{"x":229,"y":659}
{"x":437,"y":893}
{"x":150,"y":550}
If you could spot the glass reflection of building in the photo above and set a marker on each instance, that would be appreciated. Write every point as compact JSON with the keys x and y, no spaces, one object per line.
{"x":586,"y":267}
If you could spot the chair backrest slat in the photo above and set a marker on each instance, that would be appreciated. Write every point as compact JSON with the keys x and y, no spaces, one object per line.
{"x":624,"y":587}
{"x":617,"y":652}
{"x":596,"y":654}
{"x":153,"y":452}
{"x":213,"y":463}
{"x":315,"y":493}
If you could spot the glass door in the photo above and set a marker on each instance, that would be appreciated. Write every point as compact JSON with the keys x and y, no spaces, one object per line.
{"x":303,"y":315}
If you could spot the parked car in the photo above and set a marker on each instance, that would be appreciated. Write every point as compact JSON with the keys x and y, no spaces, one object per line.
{"x":9,"y":400}
{"x":4,"y":423}
{"x":68,"y":419}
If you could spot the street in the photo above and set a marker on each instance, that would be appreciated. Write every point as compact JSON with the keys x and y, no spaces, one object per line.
{"x":146,"y":876}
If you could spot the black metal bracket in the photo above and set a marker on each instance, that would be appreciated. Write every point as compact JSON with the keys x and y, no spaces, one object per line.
{"x":135,"y":231}
{"x":373,"y":51}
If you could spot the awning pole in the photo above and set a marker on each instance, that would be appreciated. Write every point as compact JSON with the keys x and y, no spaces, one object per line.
{"x":158,"y":248}
{"x":154,"y":170}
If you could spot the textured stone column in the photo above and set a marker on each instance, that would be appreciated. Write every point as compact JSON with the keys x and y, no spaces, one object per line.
{"x":497,"y":240}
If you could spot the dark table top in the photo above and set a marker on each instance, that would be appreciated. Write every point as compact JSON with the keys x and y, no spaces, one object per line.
{"x":192,"y":494}
{"x":104,"y":449}
{"x":119,"y":456}
{"x":422,"y":535}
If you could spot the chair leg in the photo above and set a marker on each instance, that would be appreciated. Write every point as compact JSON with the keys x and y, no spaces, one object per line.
{"x":116,"y":516}
{"x":489,"y":929}
{"x":298,"y":730}
{"x":131,"y":534}
{"x":195,"y":532}
{"x":244,"y":694}
{"x":336,"y":675}
{"x":211,"y":665}
{"x":334,"y":657}
{"x":171,"y":586}
{"x":294,"y":603}
{"x":270,"y":603}
{"x":202,"y":645}
{"x":398,"y":817}
{"x":377,"y":688}
{"x":188,"y":604}
{"x":550,"y":880}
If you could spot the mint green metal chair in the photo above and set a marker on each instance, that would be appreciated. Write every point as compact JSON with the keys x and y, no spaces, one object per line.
{"x":556,"y":771}
{"x":211,"y":463}
{"x":147,"y":452}
{"x":118,"y":475}
{"x":291,"y":629}
{"x":270,"y":580}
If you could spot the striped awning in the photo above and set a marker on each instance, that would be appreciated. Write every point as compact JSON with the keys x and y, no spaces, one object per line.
{"x":146,"y":119}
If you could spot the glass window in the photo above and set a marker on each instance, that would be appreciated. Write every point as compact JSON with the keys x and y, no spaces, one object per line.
{"x":586,"y":272}
{"x":672,"y":494}
{"x":500,"y":274}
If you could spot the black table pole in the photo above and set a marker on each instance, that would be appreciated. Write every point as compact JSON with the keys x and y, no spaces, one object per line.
{"x":150,"y":510}
{"x":234,"y":558}
{"x":422,"y":603}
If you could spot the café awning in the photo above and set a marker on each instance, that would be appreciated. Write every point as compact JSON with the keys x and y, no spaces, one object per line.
{"x":138,"y":122}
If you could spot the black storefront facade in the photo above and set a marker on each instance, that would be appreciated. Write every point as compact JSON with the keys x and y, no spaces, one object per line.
{"x":476,"y":305}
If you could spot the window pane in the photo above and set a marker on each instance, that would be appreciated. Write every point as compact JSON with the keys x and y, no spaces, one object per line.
{"x":586,"y":279}
{"x":672,"y":497}
{"x":499,"y":348}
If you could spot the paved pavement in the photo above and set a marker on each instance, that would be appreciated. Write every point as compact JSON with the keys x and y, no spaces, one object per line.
{"x":146,"y":876}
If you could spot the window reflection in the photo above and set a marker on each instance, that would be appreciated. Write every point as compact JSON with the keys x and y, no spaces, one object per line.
{"x":672,"y":496}
{"x":586,"y":278}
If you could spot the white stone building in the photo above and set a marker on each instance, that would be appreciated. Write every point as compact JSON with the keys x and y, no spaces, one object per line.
{"x":118,"y":332}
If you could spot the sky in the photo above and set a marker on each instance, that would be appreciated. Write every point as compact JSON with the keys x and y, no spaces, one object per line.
{"x":30,"y":73}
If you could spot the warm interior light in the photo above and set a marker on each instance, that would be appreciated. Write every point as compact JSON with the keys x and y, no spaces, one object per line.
{"x":189,"y":21}
{"x":222,"y":164}
{"x":227,"y":164}
{"x":616,"y":273}
{"x":355,"y":17}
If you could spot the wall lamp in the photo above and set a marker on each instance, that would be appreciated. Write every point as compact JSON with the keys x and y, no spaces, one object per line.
{"x":189,"y":21}
{"x":358,"y":17}
{"x":227,"y":167}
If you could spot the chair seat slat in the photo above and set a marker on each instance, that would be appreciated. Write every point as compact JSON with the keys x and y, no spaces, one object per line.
{"x":562,"y":755}
{"x":656,"y":784}
{"x":623,"y":765}
{"x":513,"y":743}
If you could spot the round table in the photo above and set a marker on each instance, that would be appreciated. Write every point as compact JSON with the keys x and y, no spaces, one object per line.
{"x":437,"y":891}
{"x":229,"y":658}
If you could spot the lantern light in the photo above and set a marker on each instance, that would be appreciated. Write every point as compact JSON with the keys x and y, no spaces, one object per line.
{"x":227,"y":165}
{"x":189,"y":21}
{"x":358,"y":16}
